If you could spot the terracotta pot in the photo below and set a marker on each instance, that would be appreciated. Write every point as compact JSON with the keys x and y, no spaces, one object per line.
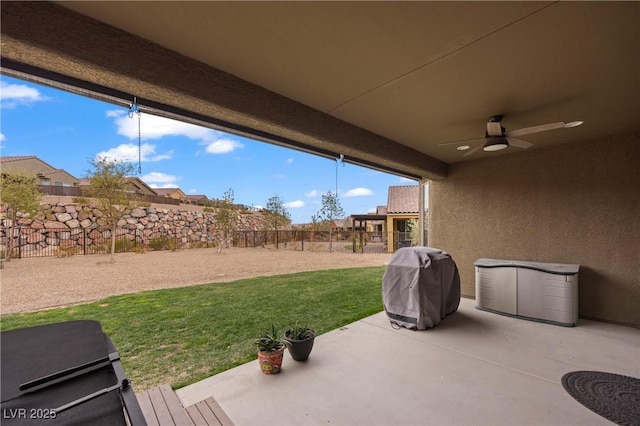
{"x":300,"y":349}
{"x":271,"y":362}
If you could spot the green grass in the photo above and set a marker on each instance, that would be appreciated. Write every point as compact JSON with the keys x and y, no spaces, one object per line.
{"x":184,"y":335}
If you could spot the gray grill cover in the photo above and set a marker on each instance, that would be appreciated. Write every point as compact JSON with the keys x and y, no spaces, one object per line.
{"x":420,"y":287}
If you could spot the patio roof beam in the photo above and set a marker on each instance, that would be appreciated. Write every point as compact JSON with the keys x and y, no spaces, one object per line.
{"x":76,"y":48}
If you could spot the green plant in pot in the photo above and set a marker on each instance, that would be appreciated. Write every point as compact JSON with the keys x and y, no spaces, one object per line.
{"x":270,"y":351}
{"x":300,"y":342}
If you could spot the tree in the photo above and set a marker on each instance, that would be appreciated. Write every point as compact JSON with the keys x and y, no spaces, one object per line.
{"x":413,"y":227}
{"x":20,"y":195}
{"x":225,"y":219}
{"x":108,"y":184}
{"x":275,"y":213}
{"x":331,"y":210}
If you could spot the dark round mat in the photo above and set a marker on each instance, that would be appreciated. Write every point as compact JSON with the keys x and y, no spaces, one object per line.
{"x":613,"y":396}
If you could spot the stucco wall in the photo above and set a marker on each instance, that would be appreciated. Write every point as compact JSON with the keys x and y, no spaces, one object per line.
{"x":574,"y":203}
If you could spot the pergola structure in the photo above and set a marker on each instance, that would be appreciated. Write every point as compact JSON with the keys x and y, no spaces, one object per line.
{"x":400,"y":87}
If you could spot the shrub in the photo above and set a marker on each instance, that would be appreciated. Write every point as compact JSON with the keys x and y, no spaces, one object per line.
{"x":159,"y":243}
{"x":164,"y":242}
{"x":124,"y":246}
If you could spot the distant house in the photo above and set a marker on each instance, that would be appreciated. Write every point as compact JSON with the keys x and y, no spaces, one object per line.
{"x":31,"y":165}
{"x":50,"y":179}
{"x":402,"y":206}
{"x":199,"y":200}
{"x":337,"y":225}
{"x":135,"y":185}
{"x":175,"y":193}
{"x":389,"y":223}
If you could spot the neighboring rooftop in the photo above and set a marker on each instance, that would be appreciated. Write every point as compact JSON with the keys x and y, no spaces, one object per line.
{"x":31,"y":165}
{"x":403,"y":199}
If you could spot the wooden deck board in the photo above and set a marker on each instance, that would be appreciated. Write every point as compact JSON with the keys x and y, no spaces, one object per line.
{"x":206,"y":413}
{"x":196,"y":416}
{"x":218,"y":411}
{"x":178,"y":413}
{"x":147,"y":409}
{"x":162,"y":407}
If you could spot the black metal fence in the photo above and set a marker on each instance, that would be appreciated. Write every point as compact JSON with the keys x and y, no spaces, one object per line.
{"x":28,"y":242}
{"x":339,"y":241}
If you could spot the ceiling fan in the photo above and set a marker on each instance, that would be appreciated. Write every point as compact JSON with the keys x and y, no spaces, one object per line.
{"x":497,"y":138}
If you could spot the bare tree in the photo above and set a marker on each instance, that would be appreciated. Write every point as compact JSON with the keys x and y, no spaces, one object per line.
{"x":20,"y":195}
{"x":109,"y":182}
{"x":331,"y":210}
{"x":275,"y":213}
{"x":225,"y":216}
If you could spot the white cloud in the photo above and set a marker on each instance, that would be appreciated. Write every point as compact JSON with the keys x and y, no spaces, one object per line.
{"x":158,"y":177}
{"x":222,"y":146}
{"x":160,"y":180}
{"x":294,"y":204}
{"x":373,"y":210}
{"x":279,"y":176}
{"x":289,"y":160}
{"x":312,"y":193}
{"x":129,"y":152}
{"x":358,"y":192}
{"x":12,"y":95}
{"x":2,"y":137}
{"x":154,"y":127}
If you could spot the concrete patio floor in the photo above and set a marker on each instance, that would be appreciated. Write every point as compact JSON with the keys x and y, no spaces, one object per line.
{"x":474,"y":368}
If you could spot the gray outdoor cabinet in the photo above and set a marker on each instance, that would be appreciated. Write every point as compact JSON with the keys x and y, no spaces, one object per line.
{"x":546,"y":292}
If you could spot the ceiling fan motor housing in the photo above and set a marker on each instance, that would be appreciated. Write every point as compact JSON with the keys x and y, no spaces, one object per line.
{"x":495,"y":143}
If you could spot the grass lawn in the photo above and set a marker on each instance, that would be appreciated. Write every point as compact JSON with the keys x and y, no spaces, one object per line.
{"x":183,"y":335}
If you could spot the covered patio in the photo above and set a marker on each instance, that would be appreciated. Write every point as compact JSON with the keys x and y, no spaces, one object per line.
{"x":475,"y":367}
{"x":418,"y":89}
{"x":405,"y":87}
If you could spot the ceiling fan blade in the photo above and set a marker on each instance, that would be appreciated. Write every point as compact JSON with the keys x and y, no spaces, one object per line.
{"x":472,"y":150}
{"x":494,"y":129}
{"x":461,"y":142}
{"x":519,"y":143}
{"x":535,"y":129}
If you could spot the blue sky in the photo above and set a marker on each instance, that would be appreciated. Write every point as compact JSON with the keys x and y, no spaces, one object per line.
{"x":67,"y":130}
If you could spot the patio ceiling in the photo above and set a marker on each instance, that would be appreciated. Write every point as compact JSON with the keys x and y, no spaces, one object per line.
{"x":384,"y":83}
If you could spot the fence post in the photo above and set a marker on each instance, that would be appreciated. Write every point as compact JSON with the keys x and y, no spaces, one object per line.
{"x":277,"y":241}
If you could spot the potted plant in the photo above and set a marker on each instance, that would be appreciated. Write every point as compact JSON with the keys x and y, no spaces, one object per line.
{"x":270,"y":351}
{"x":300,"y":342}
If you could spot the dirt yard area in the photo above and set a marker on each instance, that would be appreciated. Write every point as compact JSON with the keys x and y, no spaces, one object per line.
{"x":38,"y":283}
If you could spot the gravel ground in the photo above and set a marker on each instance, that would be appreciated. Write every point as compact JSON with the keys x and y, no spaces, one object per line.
{"x":39,"y":283}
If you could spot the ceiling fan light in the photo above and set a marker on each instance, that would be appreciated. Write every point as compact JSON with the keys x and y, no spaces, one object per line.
{"x":495,"y":144}
{"x":573,"y":124}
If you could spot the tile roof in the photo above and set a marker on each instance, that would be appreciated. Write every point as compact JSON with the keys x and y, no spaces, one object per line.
{"x":17,"y":158}
{"x":165,"y":191}
{"x":403,"y":199}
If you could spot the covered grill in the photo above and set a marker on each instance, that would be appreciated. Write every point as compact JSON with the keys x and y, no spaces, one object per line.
{"x":420,"y":287}
{"x":66,"y":373}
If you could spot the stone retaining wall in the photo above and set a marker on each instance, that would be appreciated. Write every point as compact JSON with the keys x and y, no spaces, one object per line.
{"x":68,"y":225}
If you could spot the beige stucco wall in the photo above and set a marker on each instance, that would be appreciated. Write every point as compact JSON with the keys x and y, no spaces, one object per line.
{"x":574,"y":203}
